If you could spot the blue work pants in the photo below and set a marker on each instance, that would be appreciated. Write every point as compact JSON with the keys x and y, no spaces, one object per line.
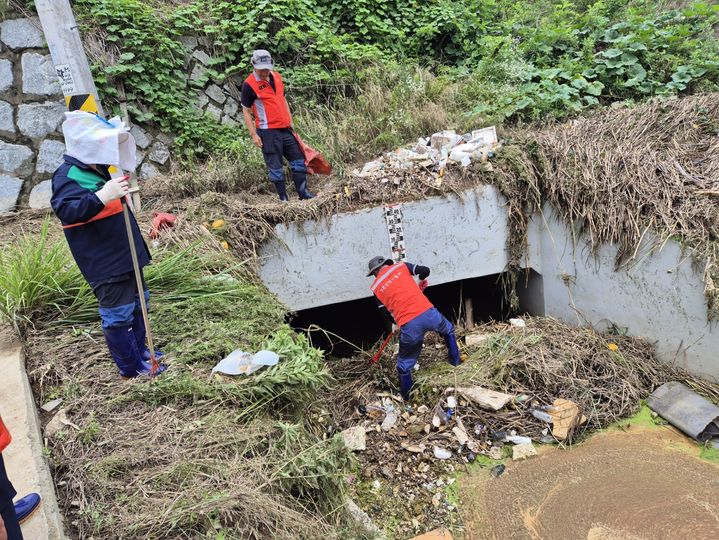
{"x":411,"y":338}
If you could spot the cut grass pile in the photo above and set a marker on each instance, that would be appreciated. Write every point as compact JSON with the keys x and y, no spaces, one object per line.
{"x":188,"y":455}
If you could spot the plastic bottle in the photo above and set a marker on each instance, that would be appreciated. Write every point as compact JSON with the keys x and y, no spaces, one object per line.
{"x":518,"y":439}
{"x":541,"y":415}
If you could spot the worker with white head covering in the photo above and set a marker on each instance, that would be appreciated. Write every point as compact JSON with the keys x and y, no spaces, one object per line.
{"x":88,"y":202}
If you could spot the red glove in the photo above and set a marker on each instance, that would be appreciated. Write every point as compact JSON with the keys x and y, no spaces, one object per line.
{"x":160,"y":221}
{"x":423,"y":284}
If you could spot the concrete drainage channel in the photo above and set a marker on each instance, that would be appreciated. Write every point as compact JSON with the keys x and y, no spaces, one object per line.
{"x":658,"y":295}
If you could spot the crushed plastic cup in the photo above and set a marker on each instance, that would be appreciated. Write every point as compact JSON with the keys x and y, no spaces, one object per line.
{"x":243,"y":363}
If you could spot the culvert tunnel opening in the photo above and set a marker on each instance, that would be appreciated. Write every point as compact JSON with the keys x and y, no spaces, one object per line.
{"x":342,"y":328}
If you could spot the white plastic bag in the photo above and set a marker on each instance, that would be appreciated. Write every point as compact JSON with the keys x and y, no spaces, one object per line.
{"x":94,"y":140}
{"x":243,"y":363}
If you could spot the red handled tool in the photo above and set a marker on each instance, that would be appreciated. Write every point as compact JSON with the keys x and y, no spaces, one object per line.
{"x":376,"y":356}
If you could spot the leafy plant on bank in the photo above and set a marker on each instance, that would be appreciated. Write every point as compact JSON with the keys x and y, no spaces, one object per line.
{"x":504,"y":60}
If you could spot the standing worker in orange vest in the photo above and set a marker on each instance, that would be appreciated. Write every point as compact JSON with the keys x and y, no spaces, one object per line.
{"x":11,"y":515}
{"x":401,"y":297}
{"x":263,"y":96}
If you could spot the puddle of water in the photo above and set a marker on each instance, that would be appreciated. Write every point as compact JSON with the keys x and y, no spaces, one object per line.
{"x":646,"y":483}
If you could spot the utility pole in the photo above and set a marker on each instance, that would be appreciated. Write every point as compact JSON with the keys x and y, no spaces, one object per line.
{"x":73,"y":70}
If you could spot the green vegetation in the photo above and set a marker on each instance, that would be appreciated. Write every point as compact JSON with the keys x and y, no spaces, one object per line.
{"x":397,"y":61}
{"x":242,"y":451}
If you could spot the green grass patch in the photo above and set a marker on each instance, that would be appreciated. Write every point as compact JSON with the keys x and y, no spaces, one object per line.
{"x":709,"y":454}
{"x":644,"y":418}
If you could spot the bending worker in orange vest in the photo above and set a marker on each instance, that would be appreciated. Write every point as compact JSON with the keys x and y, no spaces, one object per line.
{"x":398,"y":293}
{"x":263,"y":95}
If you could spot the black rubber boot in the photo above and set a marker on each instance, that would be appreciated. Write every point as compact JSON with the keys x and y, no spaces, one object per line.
{"x":281,"y":191}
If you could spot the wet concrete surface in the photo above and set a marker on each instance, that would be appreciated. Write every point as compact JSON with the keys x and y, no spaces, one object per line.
{"x":645,"y":483}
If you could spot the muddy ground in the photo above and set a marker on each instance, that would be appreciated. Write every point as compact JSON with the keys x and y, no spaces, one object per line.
{"x":645,"y":483}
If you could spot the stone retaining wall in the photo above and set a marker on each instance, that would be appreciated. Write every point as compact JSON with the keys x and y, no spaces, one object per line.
{"x":32,"y":107}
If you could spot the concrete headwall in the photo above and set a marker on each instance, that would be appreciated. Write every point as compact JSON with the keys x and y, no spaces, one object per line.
{"x":659,"y":297}
{"x":321,"y":263}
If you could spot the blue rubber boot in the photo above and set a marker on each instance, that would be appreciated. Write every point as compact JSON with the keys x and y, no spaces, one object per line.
{"x":452,"y":348}
{"x":300,"y":180}
{"x":123,"y":348}
{"x":138,"y":328}
{"x":405,"y":384}
{"x":25,"y":507}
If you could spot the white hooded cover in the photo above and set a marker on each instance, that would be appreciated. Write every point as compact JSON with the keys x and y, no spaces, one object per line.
{"x":94,"y":140}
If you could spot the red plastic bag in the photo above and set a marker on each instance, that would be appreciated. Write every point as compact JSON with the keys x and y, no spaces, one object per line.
{"x":314,"y":161}
{"x":160,"y":221}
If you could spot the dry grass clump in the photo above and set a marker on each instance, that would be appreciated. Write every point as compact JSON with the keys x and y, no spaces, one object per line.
{"x":624,"y":175}
{"x":542,"y":362}
{"x":251,"y":215}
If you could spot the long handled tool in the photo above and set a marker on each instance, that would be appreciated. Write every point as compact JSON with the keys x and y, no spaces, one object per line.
{"x":376,"y":356}
{"x":140,"y":288}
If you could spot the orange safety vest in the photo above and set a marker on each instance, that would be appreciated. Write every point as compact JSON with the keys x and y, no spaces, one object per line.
{"x":270,"y":108}
{"x":5,"y":437}
{"x":398,"y":291}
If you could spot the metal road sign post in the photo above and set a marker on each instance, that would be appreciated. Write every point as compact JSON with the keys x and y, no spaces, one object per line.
{"x":73,"y":70}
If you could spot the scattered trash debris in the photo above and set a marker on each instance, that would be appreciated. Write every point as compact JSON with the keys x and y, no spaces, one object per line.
{"x":470,"y":340}
{"x":441,"y":453}
{"x":354,"y":438}
{"x":389,"y":421}
{"x":52,"y":405}
{"x":518,"y":323}
{"x":451,"y":402}
{"x":485,"y":398}
{"x":523,"y":451}
{"x":461,"y":435}
{"x":497,"y":470}
{"x":687,"y":410}
{"x":434,"y":154}
{"x":495,"y":452}
{"x":58,"y":423}
{"x":499,"y":436}
{"x":436,"y":534}
{"x":542,"y":415}
{"x":547,"y":439}
{"x":361,"y":517}
{"x":566,"y":416}
{"x":440,"y":418}
{"x":239,"y":362}
{"x":518,"y":439}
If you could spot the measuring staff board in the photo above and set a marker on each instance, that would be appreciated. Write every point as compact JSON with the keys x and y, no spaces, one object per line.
{"x":395,"y":231}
